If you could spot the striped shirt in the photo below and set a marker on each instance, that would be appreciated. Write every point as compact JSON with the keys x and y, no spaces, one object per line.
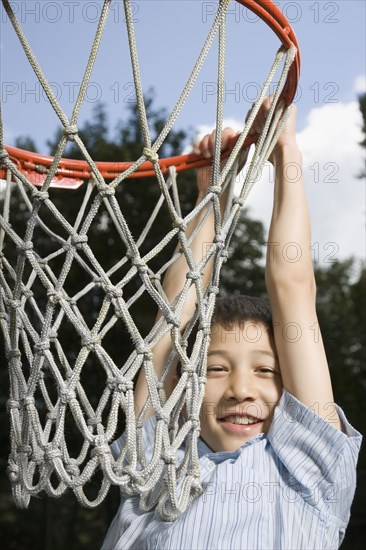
{"x":289,"y":489}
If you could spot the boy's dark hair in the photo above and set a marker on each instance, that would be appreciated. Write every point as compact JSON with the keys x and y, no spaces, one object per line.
{"x":235,"y":310}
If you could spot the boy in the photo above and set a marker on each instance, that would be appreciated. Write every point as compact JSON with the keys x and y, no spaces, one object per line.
{"x":277,"y":457}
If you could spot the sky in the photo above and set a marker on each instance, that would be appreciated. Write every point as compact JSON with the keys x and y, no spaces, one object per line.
{"x":169,"y":37}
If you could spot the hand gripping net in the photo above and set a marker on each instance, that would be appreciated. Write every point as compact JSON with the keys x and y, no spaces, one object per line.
{"x":38,"y":313}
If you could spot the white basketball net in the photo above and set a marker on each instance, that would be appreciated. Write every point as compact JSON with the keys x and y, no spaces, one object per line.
{"x":45,"y":385}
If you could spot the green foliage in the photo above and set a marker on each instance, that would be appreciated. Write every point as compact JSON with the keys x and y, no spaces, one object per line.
{"x":26,"y":143}
{"x":362,"y":102}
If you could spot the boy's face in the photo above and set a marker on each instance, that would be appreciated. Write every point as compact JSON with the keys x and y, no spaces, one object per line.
{"x":243,"y":386}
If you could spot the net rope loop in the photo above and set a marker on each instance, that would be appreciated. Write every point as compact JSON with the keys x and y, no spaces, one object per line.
{"x":39,"y":316}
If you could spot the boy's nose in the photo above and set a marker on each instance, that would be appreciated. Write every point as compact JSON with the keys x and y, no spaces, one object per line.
{"x":241,"y":388}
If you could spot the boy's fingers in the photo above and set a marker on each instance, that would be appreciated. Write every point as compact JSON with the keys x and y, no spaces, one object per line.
{"x":261,"y":116}
{"x":206,"y":149}
{"x":206,"y":146}
{"x":226,"y":135}
{"x":202,"y":147}
{"x":211,"y":142}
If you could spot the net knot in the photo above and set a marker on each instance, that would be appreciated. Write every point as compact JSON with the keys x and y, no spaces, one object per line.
{"x":205,"y":328}
{"x":70,"y":132}
{"x":168,"y":457}
{"x":67,"y":395}
{"x":27,"y":293}
{"x":239,"y":201}
{"x":53,"y":335}
{"x":25,"y":247}
{"x":193,"y":275}
{"x":106,"y":190}
{"x":141,"y":349}
{"x":100,"y":450}
{"x":213,"y":289}
{"x":13,"y":471}
{"x":26,"y":449}
{"x":13,"y":354}
{"x":54,"y":296}
{"x":224,"y":255}
{"x":79,"y":240}
{"x":12,"y":404}
{"x":72,"y":468}
{"x":219,"y":240}
{"x":113,"y":292}
{"x":194,"y":422}
{"x":90,"y":342}
{"x":14,"y":304}
{"x":180,"y":224}
{"x":40,"y":376}
{"x":94,"y":420}
{"x":196,"y":484}
{"x":120,"y":383}
{"x":161,"y":415}
{"x":27,"y":401}
{"x":172,"y":320}
{"x":140,"y":265}
{"x":214,"y":190}
{"x":40,"y":196}
{"x":3,"y":155}
{"x":150,"y":154}
{"x":189,"y":370}
{"x":155,"y":278}
{"x":51,"y":453}
{"x":42,"y":346}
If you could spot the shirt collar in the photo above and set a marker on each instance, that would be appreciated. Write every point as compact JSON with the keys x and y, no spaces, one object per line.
{"x":221,"y":456}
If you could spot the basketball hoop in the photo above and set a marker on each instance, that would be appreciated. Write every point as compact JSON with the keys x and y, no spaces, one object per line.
{"x":70,"y":174}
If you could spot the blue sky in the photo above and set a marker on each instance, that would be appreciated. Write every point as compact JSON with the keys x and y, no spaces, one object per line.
{"x":169,"y":37}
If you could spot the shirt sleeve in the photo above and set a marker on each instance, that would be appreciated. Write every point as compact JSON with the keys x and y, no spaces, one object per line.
{"x":319,"y":457}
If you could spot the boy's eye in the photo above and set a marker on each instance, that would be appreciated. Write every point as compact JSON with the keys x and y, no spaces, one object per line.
{"x":266,"y":370}
{"x":215,"y":369}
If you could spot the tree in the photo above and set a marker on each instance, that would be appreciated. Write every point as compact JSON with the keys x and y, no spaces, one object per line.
{"x":26,"y":143}
{"x":362,"y":104}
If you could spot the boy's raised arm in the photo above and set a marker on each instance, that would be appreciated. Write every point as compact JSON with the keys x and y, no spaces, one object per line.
{"x":291,"y":284}
{"x":175,"y":276}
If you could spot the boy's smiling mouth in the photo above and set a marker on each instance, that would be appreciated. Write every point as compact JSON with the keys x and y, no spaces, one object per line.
{"x":240,"y":422}
{"x":236,"y":419}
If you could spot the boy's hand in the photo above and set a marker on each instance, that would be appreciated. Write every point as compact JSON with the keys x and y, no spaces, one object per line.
{"x":205,"y":148}
{"x":288,"y":134}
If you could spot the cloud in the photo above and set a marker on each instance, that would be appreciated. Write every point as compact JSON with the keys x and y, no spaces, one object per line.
{"x":360,"y":84}
{"x":203,"y":129}
{"x":333,"y":160}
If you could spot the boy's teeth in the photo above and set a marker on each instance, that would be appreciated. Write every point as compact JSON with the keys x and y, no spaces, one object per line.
{"x":240,"y":420}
